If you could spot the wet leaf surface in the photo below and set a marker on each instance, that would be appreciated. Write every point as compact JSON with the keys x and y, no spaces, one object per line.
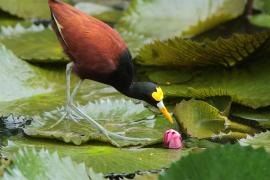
{"x":27,"y":9}
{"x":105,"y":159}
{"x":32,"y":164}
{"x":257,"y":141}
{"x":247,"y":84}
{"x":221,"y":163}
{"x":121,"y":116}
{"x":260,"y":116}
{"x":201,"y":120}
{"x":41,"y":46}
{"x":186,"y":52}
{"x":173,"y":20}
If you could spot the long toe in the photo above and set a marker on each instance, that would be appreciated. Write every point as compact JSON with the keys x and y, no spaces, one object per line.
{"x":59,"y":121}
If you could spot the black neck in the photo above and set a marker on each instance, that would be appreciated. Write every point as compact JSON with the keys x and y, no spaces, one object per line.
{"x":140,"y":90}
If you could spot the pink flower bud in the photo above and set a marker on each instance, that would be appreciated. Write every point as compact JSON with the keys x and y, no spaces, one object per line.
{"x":172,"y":139}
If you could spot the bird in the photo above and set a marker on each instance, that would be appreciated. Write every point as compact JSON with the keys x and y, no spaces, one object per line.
{"x":98,"y":53}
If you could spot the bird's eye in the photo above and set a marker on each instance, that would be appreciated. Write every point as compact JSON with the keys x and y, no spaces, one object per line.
{"x":158,"y":94}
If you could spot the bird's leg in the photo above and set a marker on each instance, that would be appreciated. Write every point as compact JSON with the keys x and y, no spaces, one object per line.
{"x":70,"y":98}
{"x":74,"y":113}
{"x":102,"y":130}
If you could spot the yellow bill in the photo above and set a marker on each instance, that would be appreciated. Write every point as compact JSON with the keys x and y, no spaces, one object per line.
{"x":165,"y":112}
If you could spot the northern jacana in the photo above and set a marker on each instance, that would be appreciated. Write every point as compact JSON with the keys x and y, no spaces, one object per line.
{"x":98,"y":53}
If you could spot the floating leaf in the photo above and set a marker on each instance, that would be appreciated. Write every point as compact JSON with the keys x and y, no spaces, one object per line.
{"x":263,"y":18}
{"x":201,"y":120}
{"x":186,"y":52}
{"x":222,"y":103}
{"x":260,"y":116}
{"x":21,"y":79}
{"x":246,"y":83}
{"x":7,"y":20}
{"x":112,"y":3}
{"x":102,"y":12}
{"x":259,"y":140}
{"x":92,"y":8}
{"x":167,"y":77}
{"x":41,"y":46}
{"x":105,"y":159}
{"x":262,"y":5}
{"x":260,"y":20}
{"x":228,"y":162}
{"x":30,"y":164}
{"x":160,"y":20}
{"x":27,"y":9}
{"x":19,"y":29}
{"x":119,"y":116}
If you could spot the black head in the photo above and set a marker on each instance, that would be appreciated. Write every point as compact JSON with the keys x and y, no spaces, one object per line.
{"x":150,"y":93}
{"x":143,"y":91}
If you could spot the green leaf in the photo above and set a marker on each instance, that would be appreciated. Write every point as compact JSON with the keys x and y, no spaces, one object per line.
{"x":19,"y":29}
{"x":20,"y":80}
{"x":186,"y":52}
{"x":40,"y":46}
{"x":229,"y":162}
{"x":104,"y":159}
{"x":260,"y":116}
{"x":30,"y":164}
{"x":8,"y":20}
{"x":120,"y":116}
{"x":201,"y":120}
{"x":121,"y":4}
{"x":262,"y":5}
{"x":27,"y":9}
{"x":259,"y":140}
{"x":168,"y":77}
{"x":222,"y":103}
{"x":161,"y":20}
{"x":246,"y":83}
{"x":260,"y":20}
{"x":92,"y":8}
{"x":102,"y":12}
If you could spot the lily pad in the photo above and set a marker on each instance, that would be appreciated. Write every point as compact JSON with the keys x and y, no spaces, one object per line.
{"x":8,"y":20}
{"x":119,"y":116}
{"x":21,"y":79}
{"x":102,"y":12}
{"x":225,"y":162}
{"x":260,"y":116}
{"x":246,"y":84}
{"x":168,"y":77}
{"x":27,"y":9}
{"x":142,"y":17}
{"x":19,"y":29}
{"x":105,"y":159}
{"x":185,"y":52}
{"x":30,"y":164}
{"x":41,"y":46}
{"x":222,"y":103}
{"x":260,"y":20}
{"x":263,"y":18}
{"x":257,"y":141}
{"x":201,"y":120}
{"x":262,"y":5}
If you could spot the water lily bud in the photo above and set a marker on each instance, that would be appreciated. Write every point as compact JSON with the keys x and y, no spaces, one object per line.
{"x":172,"y":139}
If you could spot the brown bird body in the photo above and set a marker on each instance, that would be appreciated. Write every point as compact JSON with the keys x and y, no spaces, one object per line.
{"x":98,"y":53}
{"x":94,"y":46}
